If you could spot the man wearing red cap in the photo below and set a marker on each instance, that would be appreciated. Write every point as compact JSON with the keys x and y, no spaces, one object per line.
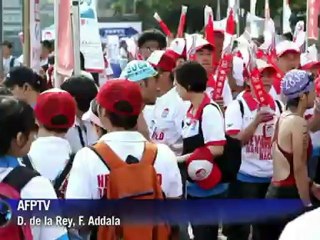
{"x":204,"y":55}
{"x":169,"y":109}
{"x":246,"y":121}
{"x":55,"y":112}
{"x":120,"y":104}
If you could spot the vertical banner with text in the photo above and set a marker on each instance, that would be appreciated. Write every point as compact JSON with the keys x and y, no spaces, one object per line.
{"x":90,"y":42}
{"x":35,"y":35}
{"x":313,"y":31}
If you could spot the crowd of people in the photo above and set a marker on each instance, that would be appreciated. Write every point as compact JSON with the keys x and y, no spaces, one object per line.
{"x":85,"y":141}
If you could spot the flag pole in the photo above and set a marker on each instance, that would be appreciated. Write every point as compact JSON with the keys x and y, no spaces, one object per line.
{"x":57,"y":78}
{"x":76,"y":36}
{"x":238,"y":14}
{"x":26,"y":32}
{"x":218,"y":10}
{"x":307,"y":27}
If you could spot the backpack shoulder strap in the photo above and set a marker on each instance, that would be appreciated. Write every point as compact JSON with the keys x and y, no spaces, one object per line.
{"x":279,"y":106}
{"x":241,"y":107}
{"x":19,"y":177}
{"x":149,"y":153}
{"x":27,"y":161}
{"x":59,"y":180}
{"x":12,"y":60}
{"x":109,"y":158}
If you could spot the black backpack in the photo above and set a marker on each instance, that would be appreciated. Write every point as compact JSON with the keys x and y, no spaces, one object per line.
{"x":230,"y":161}
{"x":60,"y":182}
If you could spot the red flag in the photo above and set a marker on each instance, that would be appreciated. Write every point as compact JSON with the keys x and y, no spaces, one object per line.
{"x":65,"y":61}
{"x":162,"y":24}
{"x":209,"y":29}
{"x":230,"y":23}
{"x":313,"y":6}
{"x":182,"y":21}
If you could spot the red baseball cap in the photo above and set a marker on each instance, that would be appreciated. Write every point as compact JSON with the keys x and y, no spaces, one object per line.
{"x":163,"y":60}
{"x":115,"y":91}
{"x":56,"y":108}
{"x":202,"y":170}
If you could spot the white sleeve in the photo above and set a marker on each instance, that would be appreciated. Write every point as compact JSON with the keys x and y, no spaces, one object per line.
{"x":41,"y":188}
{"x":233,"y":118}
{"x":213,"y":126}
{"x":172,"y":185}
{"x":290,"y":232}
{"x":16,"y":62}
{"x":79,"y":179}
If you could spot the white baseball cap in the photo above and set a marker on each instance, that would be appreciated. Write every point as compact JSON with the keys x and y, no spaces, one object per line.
{"x":286,"y":47}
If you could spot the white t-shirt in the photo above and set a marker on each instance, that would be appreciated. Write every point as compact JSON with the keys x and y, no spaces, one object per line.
{"x":6,"y":64}
{"x":49,"y":156}
{"x":89,"y":136}
{"x":148,"y":114}
{"x":166,"y":124}
{"x":88,"y":173}
{"x":38,"y":188}
{"x":212,"y":123}
{"x":305,"y":227}
{"x":256,"y":154}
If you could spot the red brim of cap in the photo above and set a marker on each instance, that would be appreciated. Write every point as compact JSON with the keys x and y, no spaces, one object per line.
{"x":212,"y":180}
{"x":208,"y":46}
{"x":310,"y":65}
{"x":269,"y":69}
{"x":288,"y":51}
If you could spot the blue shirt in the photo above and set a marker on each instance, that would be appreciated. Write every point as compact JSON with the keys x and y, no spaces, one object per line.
{"x":252,"y":179}
{"x":9,"y":162}
{"x":195,"y":191}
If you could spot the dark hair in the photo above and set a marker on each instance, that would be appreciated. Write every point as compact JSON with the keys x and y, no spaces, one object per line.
{"x":171,"y":76}
{"x":58,"y":120}
{"x":152,"y":35}
{"x":7,"y":44}
{"x":294,"y":102}
{"x":123,"y":121}
{"x":47,"y":44}
{"x":21,"y":75}
{"x":5,"y":91}
{"x":15,"y":116}
{"x":83,"y":89}
{"x":192,"y":76}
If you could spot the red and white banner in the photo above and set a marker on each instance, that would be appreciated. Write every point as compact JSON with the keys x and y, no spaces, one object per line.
{"x":65,"y":61}
{"x":314,"y":10}
{"x":35,"y":35}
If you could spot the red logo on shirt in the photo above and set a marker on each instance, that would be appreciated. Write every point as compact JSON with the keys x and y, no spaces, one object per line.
{"x":159,"y":136}
{"x":260,"y":145}
{"x":102,"y":184}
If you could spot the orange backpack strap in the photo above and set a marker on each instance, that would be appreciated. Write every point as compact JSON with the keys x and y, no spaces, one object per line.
{"x":110,"y":159}
{"x":149,"y":153}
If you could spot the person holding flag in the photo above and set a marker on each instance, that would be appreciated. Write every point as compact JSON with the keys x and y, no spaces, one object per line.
{"x":248,"y":120}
